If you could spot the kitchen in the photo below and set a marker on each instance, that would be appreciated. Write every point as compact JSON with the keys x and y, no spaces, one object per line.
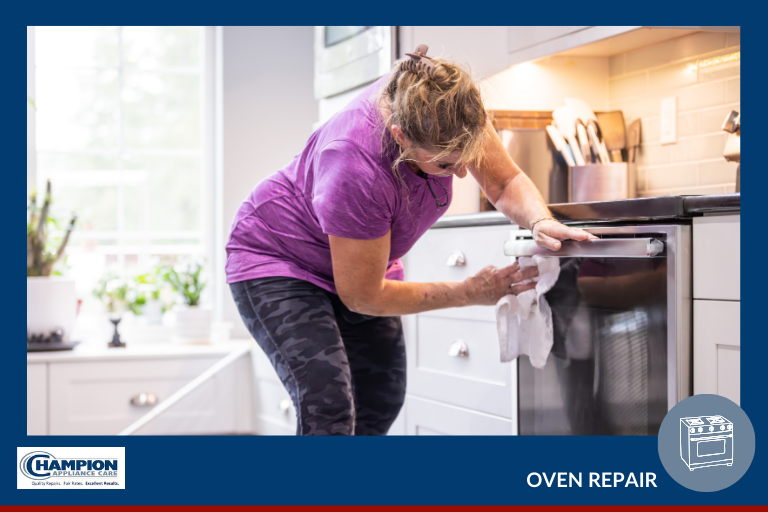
{"x":674,"y":182}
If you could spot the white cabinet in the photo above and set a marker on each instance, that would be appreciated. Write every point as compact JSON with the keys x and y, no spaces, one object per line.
{"x":98,"y":391}
{"x":716,"y":306}
{"x":716,"y":257}
{"x":527,"y":43}
{"x":525,"y":37}
{"x":430,"y":418}
{"x":482,"y":49}
{"x":456,"y":383}
{"x":37,"y":410}
{"x":717,"y":348}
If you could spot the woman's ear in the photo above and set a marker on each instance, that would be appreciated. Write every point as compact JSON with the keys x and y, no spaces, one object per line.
{"x":400,"y":137}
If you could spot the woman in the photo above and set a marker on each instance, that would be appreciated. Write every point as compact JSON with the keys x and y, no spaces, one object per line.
{"x":313,"y":258}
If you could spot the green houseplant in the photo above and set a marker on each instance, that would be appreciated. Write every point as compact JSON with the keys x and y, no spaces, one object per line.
{"x":51,"y":299}
{"x":193,"y":323}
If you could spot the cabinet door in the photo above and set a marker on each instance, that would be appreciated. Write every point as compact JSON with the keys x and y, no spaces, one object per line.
{"x":456,"y":361}
{"x":428,"y":418}
{"x":37,"y":407}
{"x":524,"y":37}
{"x":716,"y":257}
{"x":716,"y":348}
{"x":94,"y":398}
{"x":483,"y":49}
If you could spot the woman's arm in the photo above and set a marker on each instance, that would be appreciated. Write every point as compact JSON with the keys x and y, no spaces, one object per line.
{"x":515,"y":195}
{"x":359,"y":267}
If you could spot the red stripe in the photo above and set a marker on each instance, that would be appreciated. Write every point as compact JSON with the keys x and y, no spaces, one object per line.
{"x":429,"y":508}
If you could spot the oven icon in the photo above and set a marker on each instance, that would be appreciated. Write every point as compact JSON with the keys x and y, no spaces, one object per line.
{"x":706,"y":441}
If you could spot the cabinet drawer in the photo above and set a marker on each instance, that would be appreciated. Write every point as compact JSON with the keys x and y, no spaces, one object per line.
{"x":480,"y":246}
{"x":428,"y":418}
{"x":275,"y":413}
{"x":716,"y":256}
{"x":477,"y":381}
{"x":94,"y":398}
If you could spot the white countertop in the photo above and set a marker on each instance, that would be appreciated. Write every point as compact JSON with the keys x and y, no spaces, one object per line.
{"x":137,"y":351}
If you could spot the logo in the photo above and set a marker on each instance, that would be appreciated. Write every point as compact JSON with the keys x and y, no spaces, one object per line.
{"x":74,"y":468}
{"x":706,"y":443}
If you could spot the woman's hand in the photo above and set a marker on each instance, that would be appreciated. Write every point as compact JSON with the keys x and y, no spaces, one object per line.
{"x":491,"y":284}
{"x":548,"y":233}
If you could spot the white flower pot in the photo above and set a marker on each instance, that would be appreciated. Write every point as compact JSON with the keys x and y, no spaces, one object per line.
{"x":51,"y":304}
{"x":193,"y":324}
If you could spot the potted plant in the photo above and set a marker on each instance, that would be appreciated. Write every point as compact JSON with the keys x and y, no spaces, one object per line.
{"x":193,"y":323}
{"x":147,"y":299}
{"x":51,"y":299}
{"x":117,"y":295}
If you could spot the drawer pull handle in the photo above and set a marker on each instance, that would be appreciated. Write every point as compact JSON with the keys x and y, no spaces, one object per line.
{"x":456,"y":259}
{"x":285,"y":405}
{"x":458,"y":349}
{"x":145,"y":400}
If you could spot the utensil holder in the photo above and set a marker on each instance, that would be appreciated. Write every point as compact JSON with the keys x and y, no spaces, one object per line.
{"x":601,"y":182}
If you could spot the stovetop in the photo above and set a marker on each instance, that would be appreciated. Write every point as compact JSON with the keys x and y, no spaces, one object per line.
{"x":705,"y":421}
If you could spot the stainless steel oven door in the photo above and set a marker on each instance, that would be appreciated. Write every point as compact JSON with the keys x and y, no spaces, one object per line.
{"x":621,"y":314}
{"x":711,"y":449}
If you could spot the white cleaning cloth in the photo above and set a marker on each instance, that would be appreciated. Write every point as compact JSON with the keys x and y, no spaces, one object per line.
{"x":525,"y":321}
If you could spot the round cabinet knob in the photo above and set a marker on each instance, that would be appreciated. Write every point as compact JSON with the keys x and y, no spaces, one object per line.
{"x":285,"y":405}
{"x":458,"y":349}
{"x":722,"y":427}
{"x":711,"y":429}
{"x":456,"y":259}
{"x":145,"y":400}
{"x":701,"y":429}
{"x":693,"y":430}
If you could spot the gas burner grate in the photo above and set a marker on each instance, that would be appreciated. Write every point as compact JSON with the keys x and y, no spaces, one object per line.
{"x":695,"y":421}
{"x":715,"y":420}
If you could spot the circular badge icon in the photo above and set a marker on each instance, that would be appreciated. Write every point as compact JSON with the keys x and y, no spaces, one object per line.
{"x":706,"y":443}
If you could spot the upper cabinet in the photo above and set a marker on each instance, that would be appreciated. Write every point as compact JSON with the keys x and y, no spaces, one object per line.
{"x":484,"y":49}
{"x":521,"y":38}
{"x":489,"y":50}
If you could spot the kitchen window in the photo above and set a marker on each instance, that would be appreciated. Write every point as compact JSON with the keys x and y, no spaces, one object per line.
{"x":120,"y":132}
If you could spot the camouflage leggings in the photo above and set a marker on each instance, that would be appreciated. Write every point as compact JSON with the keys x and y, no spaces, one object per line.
{"x":345,"y":371}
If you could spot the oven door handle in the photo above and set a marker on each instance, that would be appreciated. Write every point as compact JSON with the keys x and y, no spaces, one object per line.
{"x":603,"y":248}
{"x":712,"y":438}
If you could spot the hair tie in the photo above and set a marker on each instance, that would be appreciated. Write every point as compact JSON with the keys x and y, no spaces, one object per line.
{"x":418,"y":61}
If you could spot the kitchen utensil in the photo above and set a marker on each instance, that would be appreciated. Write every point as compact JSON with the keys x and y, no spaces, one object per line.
{"x":614,"y":133}
{"x":582,"y":109}
{"x":633,"y":140}
{"x":559,"y":142}
{"x":565,"y":120}
{"x":583,"y":138}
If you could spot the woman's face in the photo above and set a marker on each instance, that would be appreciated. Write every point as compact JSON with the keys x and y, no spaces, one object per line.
{"x":444,"y":166}
{"x":425,"y":160}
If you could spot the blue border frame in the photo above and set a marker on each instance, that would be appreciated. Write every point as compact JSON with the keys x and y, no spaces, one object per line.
{"x":398,"y":470}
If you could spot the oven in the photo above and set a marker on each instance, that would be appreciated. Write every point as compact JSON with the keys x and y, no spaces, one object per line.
{"x":348,"y":57}
{"x":706,"y":441}
{"x":621,"y":318}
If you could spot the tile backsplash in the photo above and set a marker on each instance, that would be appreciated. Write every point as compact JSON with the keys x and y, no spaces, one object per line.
{"x":703,"y":71}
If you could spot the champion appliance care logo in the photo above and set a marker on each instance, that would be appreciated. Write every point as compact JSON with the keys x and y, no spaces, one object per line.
{"x":71,"y":468}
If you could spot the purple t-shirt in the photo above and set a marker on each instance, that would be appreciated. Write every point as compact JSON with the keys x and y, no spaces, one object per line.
{"x":341,"y":184}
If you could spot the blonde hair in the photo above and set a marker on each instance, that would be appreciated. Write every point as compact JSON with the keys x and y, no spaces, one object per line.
{"x":440,"y":110}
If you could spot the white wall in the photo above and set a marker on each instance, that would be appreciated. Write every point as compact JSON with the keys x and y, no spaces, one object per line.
{"x":544,"y":84}
{"x":269,"y":108}
{"x":701,"y":70}
{"x":30,"y":111}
